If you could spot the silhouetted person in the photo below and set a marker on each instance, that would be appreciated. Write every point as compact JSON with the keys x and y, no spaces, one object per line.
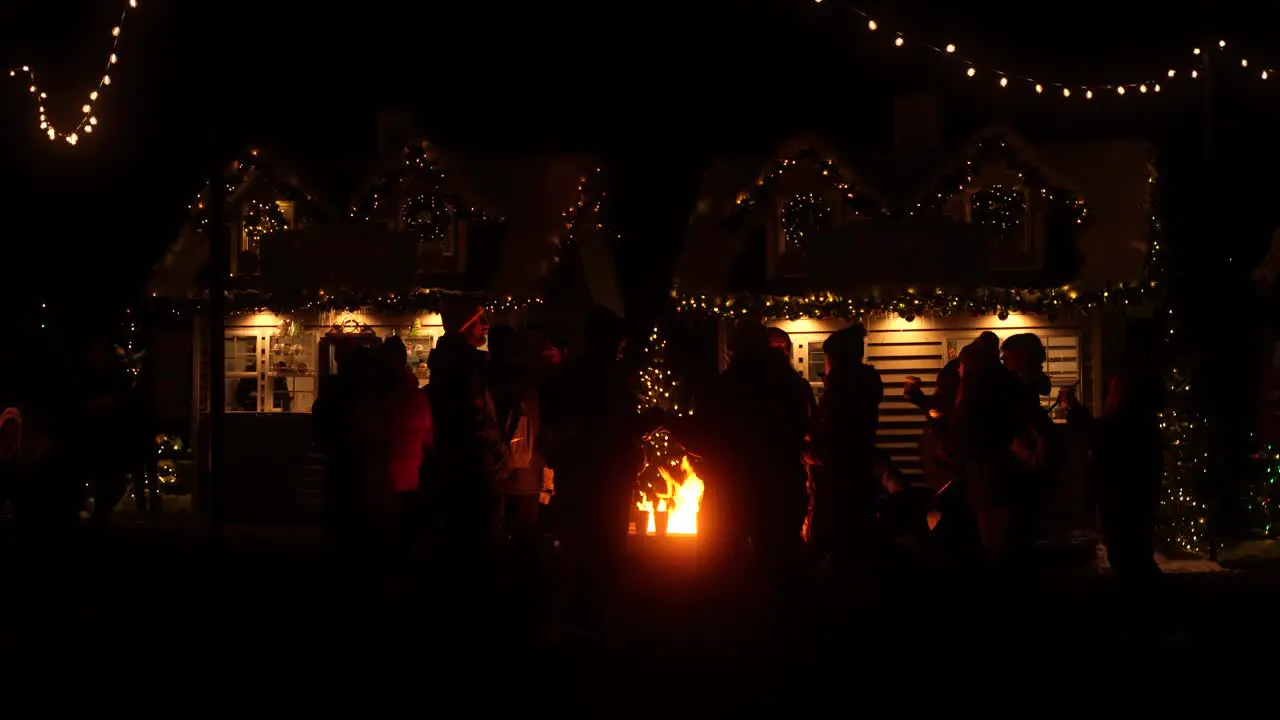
{"x":1127,"y":467}
{"x":598,"y":457}
{"x":750,"y":428}
{"x":513,"y":383}
{"x":471,"y":454}
{"x":1035,"y":448}
{"x":401,"y":424}
{"x":334,"y":425}
{"x":106,"y":429}
{"x":850,"y":416}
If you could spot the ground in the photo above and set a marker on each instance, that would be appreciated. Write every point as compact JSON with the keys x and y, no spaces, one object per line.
{"x":164,"y":596}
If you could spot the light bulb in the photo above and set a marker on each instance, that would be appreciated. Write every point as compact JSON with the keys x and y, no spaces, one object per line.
{"x":85,"y":109}
{"x":133,"y":3}
{"x":1156,"y":88}
{"x":1172,"y":73}
{"x":871,"y":25}
{"x":1264,"y":75}
{"x":1142,"y":88}
{"x":93,"y":120}
{"x":52,"y":134}
{"x":1066,"y":92}
{"x":1004,"y":82}
{"x":106,"y":79}
{"x":1039,"y":88}
{"x":1088,"y":94}
{"x":115,"y":31}
{"x":898,"y":42}
{"x":971,"y":72}
{"x":1196,"y":51}
{"x":1222,"y":43}
{"x":1244,"y":63}
{"x":1120,"y":90}
{"x":951,"y":48}
{"x":93,"y":95}
{"x":113,"y":59}
{"x":1195,"y":74}
{"x":88,"y":128}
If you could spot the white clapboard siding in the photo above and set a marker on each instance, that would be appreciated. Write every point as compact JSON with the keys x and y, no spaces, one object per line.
{"x":899,"y":353}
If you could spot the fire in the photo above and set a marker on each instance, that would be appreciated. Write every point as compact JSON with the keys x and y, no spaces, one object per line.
{"x":681,"y":502}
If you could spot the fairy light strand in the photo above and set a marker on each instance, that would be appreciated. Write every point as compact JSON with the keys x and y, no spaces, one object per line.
{"x":88,"y":119}
{"x":1005,"y":79}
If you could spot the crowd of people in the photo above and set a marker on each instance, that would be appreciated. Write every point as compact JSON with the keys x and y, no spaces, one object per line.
{"x":72,"y":443}
{"x":469,"y":462}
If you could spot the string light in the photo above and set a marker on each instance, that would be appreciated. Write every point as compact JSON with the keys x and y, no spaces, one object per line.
{"x":1068,"y":90}
{"x":88,"y":120}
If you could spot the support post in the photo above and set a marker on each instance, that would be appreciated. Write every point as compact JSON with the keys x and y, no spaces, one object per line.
{"x":219,"y":269}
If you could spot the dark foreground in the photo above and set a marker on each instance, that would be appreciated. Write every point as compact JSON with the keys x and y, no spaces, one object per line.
{"x":134,"y":596}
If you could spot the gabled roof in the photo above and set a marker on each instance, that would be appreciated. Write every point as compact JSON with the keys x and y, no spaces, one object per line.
{"x":537,"y":194}
{"x":969,"y":151}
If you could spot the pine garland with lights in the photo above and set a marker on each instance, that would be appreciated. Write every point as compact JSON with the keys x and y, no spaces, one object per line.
{"x":416,"y":163}
{"x":246,"y":302}
{"x":853,"y":200}
{"x":239,"y":172}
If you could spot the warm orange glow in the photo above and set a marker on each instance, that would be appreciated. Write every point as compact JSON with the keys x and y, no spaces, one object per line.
{"x":681,"y":502}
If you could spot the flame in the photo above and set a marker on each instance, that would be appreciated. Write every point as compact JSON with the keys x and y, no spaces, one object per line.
{"x":681,"y":502}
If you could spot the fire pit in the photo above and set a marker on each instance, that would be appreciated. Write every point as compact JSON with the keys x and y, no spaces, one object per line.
{"x":674,"y":512}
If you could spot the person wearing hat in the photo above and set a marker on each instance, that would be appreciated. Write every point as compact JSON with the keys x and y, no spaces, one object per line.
{"x":471,"y":455}
{"x":845,"y":444}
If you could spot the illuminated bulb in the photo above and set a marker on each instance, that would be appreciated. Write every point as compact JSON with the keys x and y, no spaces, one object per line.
{"x":971,"y":72}
{"x":93,"y":120}
{"x":1039,"y":88}
{"x":52,"y":135}
{"x":115,"y":31}
{"x":31,"y":89}
{"x":93,"y":95}
{"x":1196,"y":51}
{"x":1004,"y":82}
{"x":1222,"y":43}
{"x":1120,"y":89}
{"x":1244,"y":63}
{"x":1195,"y":74}
{"x":898,"y":42}
{"x":88,"y":128}
{"x":44,"y":125}
{"x":85,"y":109}
{"x":113,"y":59}
{"x":133,"y":3}
{"x":1142,"y":88}
{"x":106,"y":79}
{"x":1088,"y":94}
{"x":26,"y":68}
{"x":951,"y":48}
{"x":1172,"y":73}
{"x":1066,"y":92}
{"x":1264,"y":75}
{"x":871,"y":25}
{"x":72,"y":139}
{"x":1156,"y":88}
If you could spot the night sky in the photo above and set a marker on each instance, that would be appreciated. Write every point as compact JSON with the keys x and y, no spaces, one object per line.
{"x":656,"y":89}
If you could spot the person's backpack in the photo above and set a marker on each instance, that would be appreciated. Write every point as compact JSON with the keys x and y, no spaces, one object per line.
{"x":519,"y":436}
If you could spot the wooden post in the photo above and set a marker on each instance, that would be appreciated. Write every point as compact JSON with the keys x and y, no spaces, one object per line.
{"x":219,"y":269}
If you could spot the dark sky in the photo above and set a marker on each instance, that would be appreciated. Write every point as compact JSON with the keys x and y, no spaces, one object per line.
{"x":656,"y":88}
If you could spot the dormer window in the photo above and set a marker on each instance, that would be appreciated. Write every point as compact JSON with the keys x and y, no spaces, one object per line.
{"x":433,"y":220}
{"x":1002,"y":211}
{"x":261,"y":218}
{"x":804,"y":216}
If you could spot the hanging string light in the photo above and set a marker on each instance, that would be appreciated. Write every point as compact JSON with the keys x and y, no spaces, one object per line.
{"x":88,"y":120}
{"x":1009,"y":79}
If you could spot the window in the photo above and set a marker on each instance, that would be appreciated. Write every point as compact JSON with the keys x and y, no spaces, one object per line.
{"x":434,"y":221}
{"x":1002,"y":211}
{"x":291,"y":375}
{"x":241,"y":365}
{"x":261,"y":218}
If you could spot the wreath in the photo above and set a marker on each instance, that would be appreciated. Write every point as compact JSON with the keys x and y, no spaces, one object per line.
{"x":804,"y":217}
{"x":428,"y":217}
